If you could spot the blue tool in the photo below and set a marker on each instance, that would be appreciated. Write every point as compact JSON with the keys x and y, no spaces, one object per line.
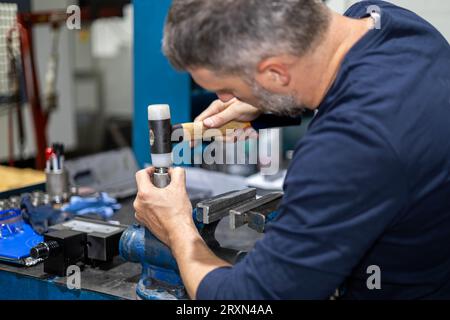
{"x":160,"y":277}
{"x":16,"y":238}
{"x":102,"y":205}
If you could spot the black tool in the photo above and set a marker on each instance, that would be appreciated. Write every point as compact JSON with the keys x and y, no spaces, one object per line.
{"x":102,"y":238}
{"x":86,"y":241}
{"x":160,"y":143}
{"x":60,"y":250}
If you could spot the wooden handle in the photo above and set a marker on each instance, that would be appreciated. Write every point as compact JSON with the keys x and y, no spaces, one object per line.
{"x":197,"y":131}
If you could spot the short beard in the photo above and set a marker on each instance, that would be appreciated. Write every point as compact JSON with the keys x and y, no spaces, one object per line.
{"x":283,"y":105}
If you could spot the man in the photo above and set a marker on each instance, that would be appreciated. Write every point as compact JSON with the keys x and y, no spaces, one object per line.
{"x":367,"y":195}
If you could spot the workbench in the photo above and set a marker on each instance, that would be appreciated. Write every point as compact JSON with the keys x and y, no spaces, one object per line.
{"x":118,"y":282}
{"x":14,"y":178}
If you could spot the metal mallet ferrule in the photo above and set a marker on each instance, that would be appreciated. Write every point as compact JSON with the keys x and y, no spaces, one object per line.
{"x":161,"y":178}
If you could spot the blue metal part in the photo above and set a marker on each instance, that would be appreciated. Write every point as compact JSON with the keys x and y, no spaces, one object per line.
{"x":155,"y":81}
{"x":16,"y":237}
{"x":271,"y":216}
{"x":160,"y":278}
{"x":21,"y":287}
{"x":11,"y":223}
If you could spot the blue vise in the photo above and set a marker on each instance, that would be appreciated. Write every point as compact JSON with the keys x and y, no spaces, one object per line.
{"x":160,"y":278}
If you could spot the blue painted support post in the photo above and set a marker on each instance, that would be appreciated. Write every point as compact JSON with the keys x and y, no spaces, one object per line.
{"x":155,"y":81}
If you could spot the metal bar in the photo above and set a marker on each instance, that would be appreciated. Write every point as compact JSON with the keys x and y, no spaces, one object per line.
{"x":203,"y":204}
{"x":257,"y":220}
{"x":217,"y":215}
{"x":239,"y":216}
{"x":218,"y":207}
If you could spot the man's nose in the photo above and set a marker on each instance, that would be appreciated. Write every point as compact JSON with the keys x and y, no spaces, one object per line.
{"x":225,"y":97}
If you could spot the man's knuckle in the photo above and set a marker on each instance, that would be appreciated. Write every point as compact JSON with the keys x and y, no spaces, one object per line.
{"x":142,"y":195}
{"x":178,"y":169}
{"x":216,"y":103}
{"x":219,"y":118}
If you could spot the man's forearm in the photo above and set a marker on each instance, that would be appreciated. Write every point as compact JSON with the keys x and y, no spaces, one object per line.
{"x":195,"y":260}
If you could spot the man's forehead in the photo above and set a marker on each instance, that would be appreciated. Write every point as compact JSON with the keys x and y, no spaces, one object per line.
{"x":204,"y":74}
{"x":210,"y":80}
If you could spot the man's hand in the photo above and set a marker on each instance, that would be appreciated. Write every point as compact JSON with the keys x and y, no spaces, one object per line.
{"x":167,"y":213}
{"x":164,"y":211}
{"x":220,"y":113}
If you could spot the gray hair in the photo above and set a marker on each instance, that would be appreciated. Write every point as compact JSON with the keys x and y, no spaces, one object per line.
{"x":233,"y":36}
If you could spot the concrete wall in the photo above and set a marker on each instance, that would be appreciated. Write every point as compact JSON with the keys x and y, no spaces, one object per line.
{"x":117,"y":67}
{"x":107,"y":51}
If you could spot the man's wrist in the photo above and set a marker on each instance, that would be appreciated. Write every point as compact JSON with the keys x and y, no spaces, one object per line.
{"x":183,"y":234}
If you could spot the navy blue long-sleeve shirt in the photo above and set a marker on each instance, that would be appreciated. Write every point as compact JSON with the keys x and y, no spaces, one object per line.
{"x":369,"y":184}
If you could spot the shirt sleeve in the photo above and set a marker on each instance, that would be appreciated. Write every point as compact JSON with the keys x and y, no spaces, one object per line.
{"x":267,"y":121}
{"x":344,"y":187}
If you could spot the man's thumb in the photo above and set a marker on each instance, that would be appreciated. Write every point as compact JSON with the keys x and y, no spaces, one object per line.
{"x":177,"y":176}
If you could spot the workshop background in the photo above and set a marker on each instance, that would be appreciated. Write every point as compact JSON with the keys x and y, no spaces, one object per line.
{"x":96,"y":98}
{"x":74,"y":103}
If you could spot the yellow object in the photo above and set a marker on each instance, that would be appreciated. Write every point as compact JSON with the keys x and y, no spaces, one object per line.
{"x":197,"y":131}
{"x":13,"y":178}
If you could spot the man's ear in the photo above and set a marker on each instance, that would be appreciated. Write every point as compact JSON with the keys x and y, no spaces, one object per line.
{"x":274,"y":74}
